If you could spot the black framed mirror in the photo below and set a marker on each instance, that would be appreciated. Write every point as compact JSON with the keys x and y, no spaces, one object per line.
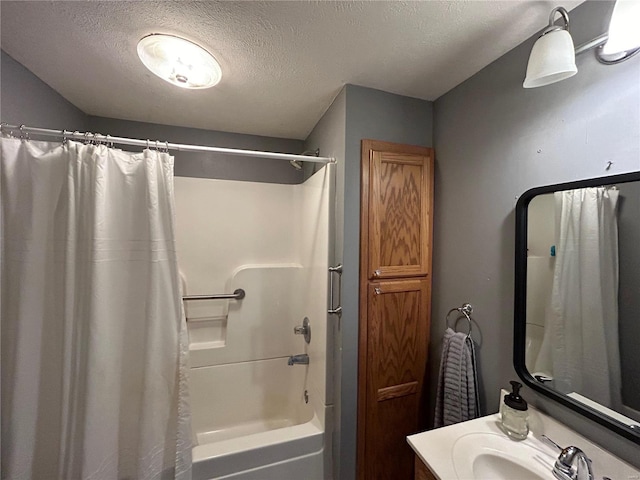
{"x":577,"y":297}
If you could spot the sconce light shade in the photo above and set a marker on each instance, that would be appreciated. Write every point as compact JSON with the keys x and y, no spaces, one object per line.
{"x":624,"y":28}
{"x":552,"y":59}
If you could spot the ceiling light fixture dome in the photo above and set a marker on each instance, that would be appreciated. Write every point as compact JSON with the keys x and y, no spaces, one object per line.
{"x":179,"y":61}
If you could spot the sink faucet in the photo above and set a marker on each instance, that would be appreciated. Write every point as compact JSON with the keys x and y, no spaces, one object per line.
{"x":302,"y":359}
{"x":564,"y":468}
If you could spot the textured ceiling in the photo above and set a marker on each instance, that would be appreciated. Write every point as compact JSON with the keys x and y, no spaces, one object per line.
{"x":282,"y":62}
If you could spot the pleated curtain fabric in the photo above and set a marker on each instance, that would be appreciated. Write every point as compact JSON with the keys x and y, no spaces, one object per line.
{"x":581,"y":332}
{"x":94,"y":351}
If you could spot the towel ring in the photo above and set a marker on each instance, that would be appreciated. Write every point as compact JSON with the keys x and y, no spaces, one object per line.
{"x":466,"y":309}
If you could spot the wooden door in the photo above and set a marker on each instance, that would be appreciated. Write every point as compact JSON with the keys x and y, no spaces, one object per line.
{"x":396,"y":359}
{"x":399,"y":219}
{"x":395,"y":303}
{"x":422,"y":471}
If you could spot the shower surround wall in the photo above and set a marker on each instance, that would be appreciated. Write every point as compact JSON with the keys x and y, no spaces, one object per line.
{"x":272,"y":241}
{"x":540,"y":265}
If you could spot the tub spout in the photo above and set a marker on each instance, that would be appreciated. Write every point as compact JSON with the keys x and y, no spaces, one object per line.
{"x":302,"y":359}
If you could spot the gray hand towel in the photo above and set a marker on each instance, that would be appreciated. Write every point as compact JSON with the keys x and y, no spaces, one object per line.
{"x":457,"y":398}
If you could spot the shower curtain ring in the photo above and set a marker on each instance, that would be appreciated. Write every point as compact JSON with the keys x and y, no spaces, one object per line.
{"x":64,"y":137}
{"x":23,"y":135}
{"x":148,"y":144}
{"x":9,"y":131}
{"x":157,"y":146}
{"x":167,"y":145}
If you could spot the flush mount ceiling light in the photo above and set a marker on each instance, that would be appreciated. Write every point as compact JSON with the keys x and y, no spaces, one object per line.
{"x":553,"y":58}
{"x":179,"y":61}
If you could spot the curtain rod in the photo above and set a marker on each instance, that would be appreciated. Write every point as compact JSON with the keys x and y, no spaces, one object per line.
{"x":108,"y":139}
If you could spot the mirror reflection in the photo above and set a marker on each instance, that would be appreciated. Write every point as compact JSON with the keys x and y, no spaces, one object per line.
{"x":583,"y":296}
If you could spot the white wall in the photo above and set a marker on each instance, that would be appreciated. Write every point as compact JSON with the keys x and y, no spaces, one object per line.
{"x":221,"y":226}
{"x":271,"y":240}
{"x":314,"y":201}
{"x":540,"y":264}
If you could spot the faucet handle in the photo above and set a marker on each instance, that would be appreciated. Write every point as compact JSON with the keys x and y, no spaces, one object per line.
{"x":563,"y":468}
{"x":304,"y":329}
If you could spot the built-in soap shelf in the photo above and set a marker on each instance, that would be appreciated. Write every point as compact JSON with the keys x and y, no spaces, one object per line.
{"x":207,"y":332}
{"x":207,"y":323}
{"x":257,"y":327}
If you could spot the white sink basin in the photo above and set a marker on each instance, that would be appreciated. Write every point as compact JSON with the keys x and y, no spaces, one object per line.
{"x":480,"y":450}
{"x":495,"y":457}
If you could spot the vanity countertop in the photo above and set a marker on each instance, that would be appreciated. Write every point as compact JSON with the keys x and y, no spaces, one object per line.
{"x":435,"y":447}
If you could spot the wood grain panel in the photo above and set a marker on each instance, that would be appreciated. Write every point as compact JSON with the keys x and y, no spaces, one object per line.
{"x":422,"y":471}
{"x":397,"y":341}
{"x":399,"y":209}
{"x":396,"y":332}
{"x":395,"y":239}
{"x":389,"y":456}
{"x":389,"y":393}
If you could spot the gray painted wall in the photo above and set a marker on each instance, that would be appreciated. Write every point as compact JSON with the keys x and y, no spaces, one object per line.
{"x":208,"y":165}
{"x":629,"y":292}
{"x":494,"y":140}
{"x":25,"y":99}
{"x":381,"y":116}
{"x":329,"y":136}
{"x":358,"y":113}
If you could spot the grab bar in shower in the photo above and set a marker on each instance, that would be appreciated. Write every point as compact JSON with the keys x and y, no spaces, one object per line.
{"x":332,"y":309}
{"x":238,"y":294}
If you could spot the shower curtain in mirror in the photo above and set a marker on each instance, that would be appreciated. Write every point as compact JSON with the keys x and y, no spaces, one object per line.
{"x":93,"y":336}
{"x":581,"y":333}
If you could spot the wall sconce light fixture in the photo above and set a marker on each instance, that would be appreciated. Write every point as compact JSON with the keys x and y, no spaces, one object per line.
{"x":553,"y":56}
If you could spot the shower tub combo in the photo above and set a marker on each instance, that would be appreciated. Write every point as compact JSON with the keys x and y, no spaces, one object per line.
{"x":257,"y":413}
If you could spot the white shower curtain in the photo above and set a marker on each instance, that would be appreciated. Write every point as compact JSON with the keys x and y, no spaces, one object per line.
{"x":582,"y":326}
{"x":93,"y":337}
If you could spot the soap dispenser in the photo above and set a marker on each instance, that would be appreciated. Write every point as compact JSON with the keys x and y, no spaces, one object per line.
{"x":514,"y":413}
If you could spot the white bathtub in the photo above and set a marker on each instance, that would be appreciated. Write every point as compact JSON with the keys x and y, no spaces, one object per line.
{"x":251,"y":421}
